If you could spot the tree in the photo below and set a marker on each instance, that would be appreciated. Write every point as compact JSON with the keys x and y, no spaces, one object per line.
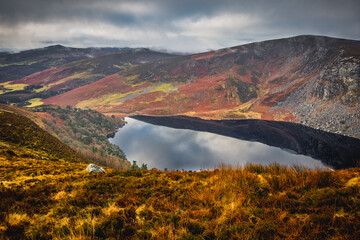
{"x":144,"y":166}
{"x":134,"y":166}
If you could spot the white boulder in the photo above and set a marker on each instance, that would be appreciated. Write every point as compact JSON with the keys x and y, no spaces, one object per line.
{"x":92,"y":168}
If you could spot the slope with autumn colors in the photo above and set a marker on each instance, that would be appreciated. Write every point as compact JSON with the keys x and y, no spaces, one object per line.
{"x":312,"y":80}
{"x":18,"y":65}
{"x":75,"y":133}
{"x":30,"y":90}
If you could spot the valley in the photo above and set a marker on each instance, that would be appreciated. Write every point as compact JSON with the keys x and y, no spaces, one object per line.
{"x":257,"y":141}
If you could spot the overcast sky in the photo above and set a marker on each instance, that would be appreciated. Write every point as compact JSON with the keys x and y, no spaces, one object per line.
{"x":174,"y":25}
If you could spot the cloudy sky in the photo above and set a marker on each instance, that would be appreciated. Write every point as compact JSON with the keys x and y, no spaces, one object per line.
{"x":174,"y":25}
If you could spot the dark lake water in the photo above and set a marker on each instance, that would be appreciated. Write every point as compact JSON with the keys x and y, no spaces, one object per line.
{"x":188,"y":149}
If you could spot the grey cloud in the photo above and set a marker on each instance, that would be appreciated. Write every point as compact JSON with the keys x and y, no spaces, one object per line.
{"x":186,"y":25}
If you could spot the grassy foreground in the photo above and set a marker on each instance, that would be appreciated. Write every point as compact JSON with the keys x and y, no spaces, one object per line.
{"x":43,"y":199}
{"x":45,"y":193}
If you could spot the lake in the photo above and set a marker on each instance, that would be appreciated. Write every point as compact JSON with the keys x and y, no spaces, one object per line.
{"x":181,"y":147}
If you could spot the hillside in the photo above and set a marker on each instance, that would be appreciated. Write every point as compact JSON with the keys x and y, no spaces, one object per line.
{"x":311,"y":80}
{"x":53,"y":81}
{"x":42,"y":199}
{"x":18,"y":65}
{"x":84,"y":131}
{"x":19,"y":136}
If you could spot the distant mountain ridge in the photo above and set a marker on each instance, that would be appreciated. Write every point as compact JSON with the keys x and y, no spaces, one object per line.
{"x":57,"y":80}
{"x":313,"y":80}
{"x":18,"y":65}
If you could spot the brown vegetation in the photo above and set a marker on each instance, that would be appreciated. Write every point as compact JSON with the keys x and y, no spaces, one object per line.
{"x":42,"y":199}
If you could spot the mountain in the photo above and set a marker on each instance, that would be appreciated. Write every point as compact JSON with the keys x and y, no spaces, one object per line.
{"x":18,"y":65}
{"x":57,"y":80}
{"x":313,"y":80}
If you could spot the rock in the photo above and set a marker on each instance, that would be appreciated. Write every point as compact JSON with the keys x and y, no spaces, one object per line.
{"x":111,"y":135}
{"x":92,"y":168}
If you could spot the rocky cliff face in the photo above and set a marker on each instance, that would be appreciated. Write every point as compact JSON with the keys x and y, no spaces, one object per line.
{"x":330,"y":99}
{"x":337,"y":88}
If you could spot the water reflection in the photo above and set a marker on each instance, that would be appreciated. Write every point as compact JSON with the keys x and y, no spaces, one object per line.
{"x":334,"y":150}
{"x":163,"y":147}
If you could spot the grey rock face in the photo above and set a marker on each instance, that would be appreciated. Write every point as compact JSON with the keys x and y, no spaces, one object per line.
{"x":329,"y":99}
{"x":342,"y":79}
{"x":92,"y":168}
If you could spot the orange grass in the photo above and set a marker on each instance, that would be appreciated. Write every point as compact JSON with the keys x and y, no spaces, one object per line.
{"x":41,"y":199}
